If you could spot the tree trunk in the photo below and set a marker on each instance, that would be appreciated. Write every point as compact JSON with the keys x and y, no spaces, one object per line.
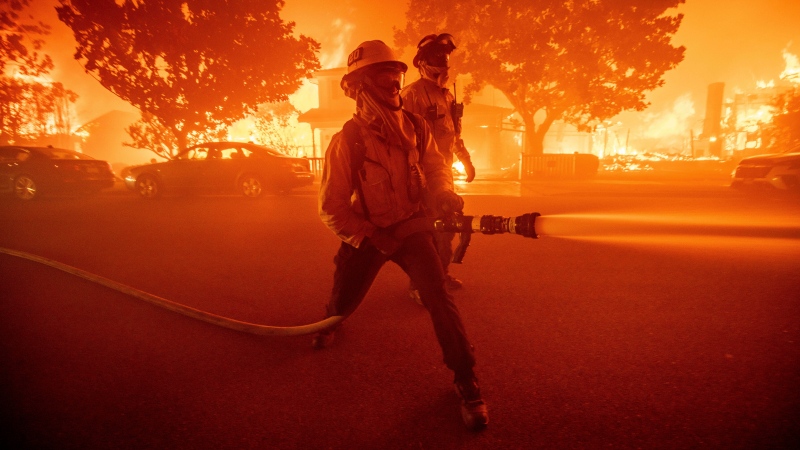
{"x":181,"y":137}
{"x":534,"y":136}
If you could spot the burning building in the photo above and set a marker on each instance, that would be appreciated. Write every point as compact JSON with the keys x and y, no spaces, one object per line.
{"x":492,"y":141}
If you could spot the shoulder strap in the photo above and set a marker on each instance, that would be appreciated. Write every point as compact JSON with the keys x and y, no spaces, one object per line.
{"x":358,"y":154}
{"x":419,"y":130}
{"x":355,"y":144}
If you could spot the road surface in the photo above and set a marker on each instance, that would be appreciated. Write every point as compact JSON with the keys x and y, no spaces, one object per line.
{"x":669,"y":318}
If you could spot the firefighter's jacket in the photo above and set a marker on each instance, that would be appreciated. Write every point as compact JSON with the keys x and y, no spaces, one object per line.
{"x":384,"y":179}
{"x":419,"y":97}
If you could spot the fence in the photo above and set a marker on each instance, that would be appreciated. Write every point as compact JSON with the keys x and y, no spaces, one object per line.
{"x":316,"y":167}
{"x":575,"y":165}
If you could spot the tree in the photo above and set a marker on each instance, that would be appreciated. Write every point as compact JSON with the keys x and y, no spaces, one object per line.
{"x":580,"y":61}
{"x":783,"y":133}
{"x":29,"y":107}
{"x":190,"y":66}
{"x":275,"y":124}
{"x":31,"y":110}
{"x":20,"y":41}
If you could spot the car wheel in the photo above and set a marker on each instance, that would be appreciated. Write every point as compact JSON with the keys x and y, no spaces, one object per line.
{"x":251,"y":186}
{"x":147,"y":186}
{"x":25,"y":188}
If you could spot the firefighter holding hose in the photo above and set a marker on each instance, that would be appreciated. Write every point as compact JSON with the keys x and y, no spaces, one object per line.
{"x":382,"y":170}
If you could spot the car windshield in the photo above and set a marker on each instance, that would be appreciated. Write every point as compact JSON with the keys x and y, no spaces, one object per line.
{"x":60,"y":153}
{"x":257,"y":149}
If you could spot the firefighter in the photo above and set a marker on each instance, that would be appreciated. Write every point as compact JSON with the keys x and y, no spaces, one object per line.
{"x":430,"y":97}
{"x":379,"y":170}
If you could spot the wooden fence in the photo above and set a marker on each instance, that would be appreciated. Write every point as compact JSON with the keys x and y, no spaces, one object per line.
{"x":574,"y":165}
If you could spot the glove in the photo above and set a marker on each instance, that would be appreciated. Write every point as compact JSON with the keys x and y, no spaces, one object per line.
{"x":384,"y":242}
{"x":448,"y":202}
{"x":470,"y":169}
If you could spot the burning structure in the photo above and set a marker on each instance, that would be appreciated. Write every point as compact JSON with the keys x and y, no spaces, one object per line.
{"x":748,"y":116}
{"x":492,"y":140}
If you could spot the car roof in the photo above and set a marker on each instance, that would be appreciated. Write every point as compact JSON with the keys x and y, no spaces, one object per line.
{"x":774,"y":157}
{"x":220,"y":144}
{"x":49,"y":151}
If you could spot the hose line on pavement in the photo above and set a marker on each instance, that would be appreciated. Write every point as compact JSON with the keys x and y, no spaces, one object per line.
{"x":464,"y":224}
{"x":412,"y":227}
{"x":225,"y":322}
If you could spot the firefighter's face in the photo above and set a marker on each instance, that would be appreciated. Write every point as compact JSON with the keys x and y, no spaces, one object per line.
{"x":388,"y":82}
{"x":439,"y":57}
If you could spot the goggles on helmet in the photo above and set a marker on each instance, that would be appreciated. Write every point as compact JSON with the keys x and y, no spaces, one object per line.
{"x":386,"y":77}
{"x":435,"y":50}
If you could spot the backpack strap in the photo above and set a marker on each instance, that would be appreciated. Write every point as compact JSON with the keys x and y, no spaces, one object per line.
{"x":419,"y":130}
{"x":358,"y":152}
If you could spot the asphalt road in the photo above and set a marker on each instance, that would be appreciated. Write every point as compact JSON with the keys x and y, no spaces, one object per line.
{"x":653,"y":315}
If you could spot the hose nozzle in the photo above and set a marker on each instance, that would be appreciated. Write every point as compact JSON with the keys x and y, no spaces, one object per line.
{"x":524,"y":225}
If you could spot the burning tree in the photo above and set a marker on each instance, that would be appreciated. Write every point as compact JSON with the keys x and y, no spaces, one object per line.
{"x":579,"y":61}
{"x":784,"y":132}
{"x":274,"y":123}
{"x":192,"y":67}
{"x":32,"y":110}
{"x":30,"y":106}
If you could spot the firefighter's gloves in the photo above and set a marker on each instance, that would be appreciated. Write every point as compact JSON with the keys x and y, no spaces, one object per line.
{"x":469,"y":169}
{"x":384,"y":242}
{"x":448,"y":202}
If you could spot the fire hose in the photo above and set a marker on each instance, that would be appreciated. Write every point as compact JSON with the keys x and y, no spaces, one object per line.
{"x":465,"y":225}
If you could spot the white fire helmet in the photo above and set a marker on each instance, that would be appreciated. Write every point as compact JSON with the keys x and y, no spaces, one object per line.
{"x":369,"y":53}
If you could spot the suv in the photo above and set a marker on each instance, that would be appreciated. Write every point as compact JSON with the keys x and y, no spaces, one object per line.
{"x":774,"y":171}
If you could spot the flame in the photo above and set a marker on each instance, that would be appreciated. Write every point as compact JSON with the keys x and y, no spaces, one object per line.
{"x":672,"y":121}
{"x":306,"y":97}
{"x":792,"y":70}
{"x":761,"y":84}
{"x":338,"y":55}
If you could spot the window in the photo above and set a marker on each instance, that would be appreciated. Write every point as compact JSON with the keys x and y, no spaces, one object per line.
{"x":230,"y":153}
{"x":195,"y":154}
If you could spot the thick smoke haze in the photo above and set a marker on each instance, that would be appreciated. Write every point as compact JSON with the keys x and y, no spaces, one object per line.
{"x":737,"y":42}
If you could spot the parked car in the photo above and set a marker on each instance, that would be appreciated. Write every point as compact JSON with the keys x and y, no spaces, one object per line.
{"x":28,"y":172}
{"x":774,"y":171}
{"x":221,"y":167}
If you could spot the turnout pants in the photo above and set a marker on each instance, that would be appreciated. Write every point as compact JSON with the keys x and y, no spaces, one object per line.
{"x":356,"y":269}
{"x":444,"y":245}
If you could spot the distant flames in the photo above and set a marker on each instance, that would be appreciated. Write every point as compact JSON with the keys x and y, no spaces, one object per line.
{"x":792,"y":71}
{"x":336,"y":57}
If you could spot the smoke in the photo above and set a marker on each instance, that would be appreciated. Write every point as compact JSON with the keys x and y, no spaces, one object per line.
{"x":676,"y":121}
{"x":336,"y":55}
